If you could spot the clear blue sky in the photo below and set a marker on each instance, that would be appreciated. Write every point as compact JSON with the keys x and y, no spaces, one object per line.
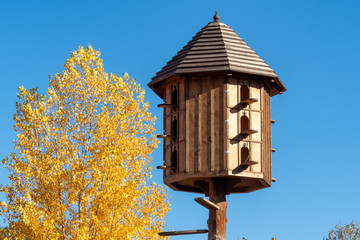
{"x":314,"y":46}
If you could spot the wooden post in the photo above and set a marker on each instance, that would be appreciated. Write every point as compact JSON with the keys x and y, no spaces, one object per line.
{"x":217,"y":218}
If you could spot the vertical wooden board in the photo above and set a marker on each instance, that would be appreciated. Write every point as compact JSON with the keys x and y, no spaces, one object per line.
{"x":232,"y":101}
{"x":255,"y":124}
{"x":181,"y":157}
{"x":263,"y":131}
{"x":181,"y":93}
{"x":219,"y":125}
{"x":181,"y":110}
{"x":194,"y":91}
{"x":167,"y":131}
{"x":222,"y":161}
{"x":190,"y":129}
{"x":168,"y":98}
{"x":203,"y":138}
{"x":206,"y":86}
{"x":167,"y":158}
{"x":194,"y":87}
{"x":268,"y":123}
{"x":255,"y":155}
{"x":255,"y":93}
{"x":233,"y":92}
{"x":266,"y":134}
{"x":233,"y":148}
{"x":215,"y":128}
{"x":225,"y":126}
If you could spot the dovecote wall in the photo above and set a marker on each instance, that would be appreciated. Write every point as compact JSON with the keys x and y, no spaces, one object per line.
{"x":217,"y":126}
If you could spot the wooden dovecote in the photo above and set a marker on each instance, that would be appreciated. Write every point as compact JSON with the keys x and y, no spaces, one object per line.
{"x":217,"y":121}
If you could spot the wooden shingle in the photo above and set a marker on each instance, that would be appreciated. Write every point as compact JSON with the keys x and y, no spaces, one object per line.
{"x":218,"y":48}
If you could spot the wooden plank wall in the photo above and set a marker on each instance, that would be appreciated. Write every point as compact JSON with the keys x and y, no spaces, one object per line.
{"x":207,"y":122}
{"x":204,"y":113}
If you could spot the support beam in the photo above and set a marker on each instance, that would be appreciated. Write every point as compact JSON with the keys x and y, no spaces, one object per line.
{"x":206,"y":203}
{"x":185,"y":232}
{"x":217,"y":218}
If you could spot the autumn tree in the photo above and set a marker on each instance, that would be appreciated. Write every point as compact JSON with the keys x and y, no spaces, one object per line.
{"x":350,"y":231}
{"x":80,"y":169}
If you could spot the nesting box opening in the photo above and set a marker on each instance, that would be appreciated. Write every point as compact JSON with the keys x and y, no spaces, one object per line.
{"x":244,"y":123}
{"x":245,"y":155}
{"x":174,"y":96}
{"x":244,"y":92}
{"x":174,"y":161}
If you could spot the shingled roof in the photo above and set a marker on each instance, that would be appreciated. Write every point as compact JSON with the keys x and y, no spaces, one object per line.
{"x":217,"y":48}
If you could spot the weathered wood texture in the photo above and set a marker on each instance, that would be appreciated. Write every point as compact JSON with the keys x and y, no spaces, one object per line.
{"x":206,"y":203}
{"x":217,"y":218}
{"x":266,"y":134}
{"x":185,"y":232}
{"x":204,"y":124}
{"x":214,"y":136}
{"x":217,"y":48}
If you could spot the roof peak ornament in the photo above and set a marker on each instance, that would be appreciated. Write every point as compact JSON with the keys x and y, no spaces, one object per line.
{"x":216,"y":17}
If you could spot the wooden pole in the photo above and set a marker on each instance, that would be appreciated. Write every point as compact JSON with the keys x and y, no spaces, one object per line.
{"x":217,"y":218}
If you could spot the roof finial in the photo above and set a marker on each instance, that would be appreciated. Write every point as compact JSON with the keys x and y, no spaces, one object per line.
{"x":216,"y":17}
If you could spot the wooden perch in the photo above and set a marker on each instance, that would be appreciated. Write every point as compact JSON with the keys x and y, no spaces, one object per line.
{"x":248,"y":101}
{"x":166,"y":105}
{"x":206,"y":203}
{"x":249,"y":163}
{"x":163,"y":167}
{"x":273,"y":150}
{"x":243,"y":135}
{"x":273,"y":179}
{"x":272,"y":121}
{"x":248,"y":132}
{"x":165,"y":136}
{"x":173,"y":233}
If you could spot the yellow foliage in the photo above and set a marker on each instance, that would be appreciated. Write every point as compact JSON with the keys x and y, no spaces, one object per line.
{"x":81,"y":167}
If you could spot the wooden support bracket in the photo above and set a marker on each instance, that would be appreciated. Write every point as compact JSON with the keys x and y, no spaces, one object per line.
{"x":173,"y":233}
{"x":206,"y":203}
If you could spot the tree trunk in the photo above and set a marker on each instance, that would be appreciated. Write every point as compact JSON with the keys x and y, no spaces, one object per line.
{"x":217,"y":218}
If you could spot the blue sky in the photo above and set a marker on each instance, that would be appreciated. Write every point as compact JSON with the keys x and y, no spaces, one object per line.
{"x":314,"y":46}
